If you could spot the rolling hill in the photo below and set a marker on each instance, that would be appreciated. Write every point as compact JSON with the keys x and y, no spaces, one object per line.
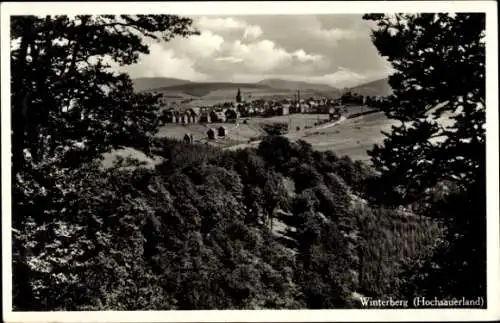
{"x":203,"y":89}
{"x":174,"y":88}
{"x":375,"y":88}
{"x":294,"y":85}
{"x":153,"y":83}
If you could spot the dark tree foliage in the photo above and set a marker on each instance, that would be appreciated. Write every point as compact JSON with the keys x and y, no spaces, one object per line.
{"x":276,"y":150}
{"x":439,"y":62}
{"x":322,"y":255}
{"x":196,"y":232}
{"x":439,"y":71}
{"x":459,"y":256}
{"x":66,"y":104}
{"x":352,"y":98}
{"x":275,"y":128}
{"x":68,"y":107}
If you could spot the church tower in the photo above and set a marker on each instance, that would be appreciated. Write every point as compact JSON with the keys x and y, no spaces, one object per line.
{"x":238,"y":96}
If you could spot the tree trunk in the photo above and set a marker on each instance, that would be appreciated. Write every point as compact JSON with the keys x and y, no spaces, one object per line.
{"x":20,"y":104}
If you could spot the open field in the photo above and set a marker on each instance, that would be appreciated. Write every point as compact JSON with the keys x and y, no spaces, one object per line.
{"x":242,"y":132}
{"x":293,"y":120}
{"x":347,"y":136}
{"x":352,"y":137}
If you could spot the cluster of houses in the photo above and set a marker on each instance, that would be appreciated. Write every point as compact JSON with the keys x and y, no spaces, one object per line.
{"x":200,"y":115}
{"x":231,"y":112}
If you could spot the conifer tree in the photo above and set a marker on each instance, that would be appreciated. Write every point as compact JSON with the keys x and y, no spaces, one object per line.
{"x":439,"y":73}
{"x":439,"y":62}
{"x":67,"y":105}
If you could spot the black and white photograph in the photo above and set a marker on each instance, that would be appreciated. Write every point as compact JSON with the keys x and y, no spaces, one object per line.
{"x":219,"y":157}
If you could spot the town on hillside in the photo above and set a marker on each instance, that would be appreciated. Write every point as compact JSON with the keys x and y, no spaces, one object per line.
{"x":241,"y":109}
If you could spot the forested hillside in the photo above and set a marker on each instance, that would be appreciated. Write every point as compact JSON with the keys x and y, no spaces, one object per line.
{"x":281,"y":226}
{"x":197,"y":232}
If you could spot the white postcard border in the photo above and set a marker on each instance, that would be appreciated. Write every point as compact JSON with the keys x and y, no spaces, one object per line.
{"x":236,"y":8}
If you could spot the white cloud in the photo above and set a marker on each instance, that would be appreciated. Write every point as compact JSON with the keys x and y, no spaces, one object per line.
{"x":252,"y":32}
{"x":302,"y":56}
{"x":162,"y":62}
{"x":334,"y":34}
{"x":224,"y":25}
{"x":229,"y":59}
{"x":220,"y":24}
{"x":259,"y":56}
{"x":204,"y":45}
{"x":264,"y":56}
{"x":252,"y":48}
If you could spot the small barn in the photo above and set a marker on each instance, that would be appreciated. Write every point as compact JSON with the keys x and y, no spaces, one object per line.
{"x":211,"y":133}
{"x":222,"y":131}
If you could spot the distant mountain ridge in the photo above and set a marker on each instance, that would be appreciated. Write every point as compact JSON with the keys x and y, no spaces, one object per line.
{"x":294,"y":85}
{"x":202,"y":89}
{"x":379,"y":87}
{"x":180,"y":87}
{"x":153,"y":83}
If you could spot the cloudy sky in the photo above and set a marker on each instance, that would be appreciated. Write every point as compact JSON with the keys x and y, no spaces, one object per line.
{"x":332,"y":49}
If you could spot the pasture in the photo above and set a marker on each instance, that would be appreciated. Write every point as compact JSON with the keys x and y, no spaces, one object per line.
{"x":293,"y":120}
{"x":352,"y":137}
{"x":242,"y":132}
